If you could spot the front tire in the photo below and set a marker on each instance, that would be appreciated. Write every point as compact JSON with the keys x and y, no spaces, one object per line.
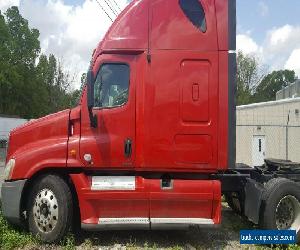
{"x":50,"y":209}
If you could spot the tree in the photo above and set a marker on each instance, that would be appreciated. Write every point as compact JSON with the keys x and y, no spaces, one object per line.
{"x":17,"y":81}
{"x":4,"y":38}
{"x":5,"y":70}
{"x":28,"y":89}
{"x":57,"y":82}
{"x":83,"y":81}
{"x":272,"y":83}
{"x":249,"y":74}
{"x":25,"y":44}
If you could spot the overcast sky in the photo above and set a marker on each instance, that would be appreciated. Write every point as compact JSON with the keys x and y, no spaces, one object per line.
{"x":71,"y":29}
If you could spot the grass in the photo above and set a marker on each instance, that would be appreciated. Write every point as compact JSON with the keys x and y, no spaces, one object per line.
{"x":68,"y":243}
{"x":12,"y":238}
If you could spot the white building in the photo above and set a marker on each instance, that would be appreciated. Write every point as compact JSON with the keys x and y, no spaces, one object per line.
{"x":268,"y":130}
{"x":290,"y":91}
{"x":7,"y":123}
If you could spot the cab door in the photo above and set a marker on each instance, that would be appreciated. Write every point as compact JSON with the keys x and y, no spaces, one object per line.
{"x":111,"y":144}
{"x":109,"y":147}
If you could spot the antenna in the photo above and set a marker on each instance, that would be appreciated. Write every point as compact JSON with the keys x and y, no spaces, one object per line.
{"x":104,"y":11}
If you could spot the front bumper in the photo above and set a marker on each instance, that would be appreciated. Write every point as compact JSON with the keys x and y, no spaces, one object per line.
{"x":11,"y":193}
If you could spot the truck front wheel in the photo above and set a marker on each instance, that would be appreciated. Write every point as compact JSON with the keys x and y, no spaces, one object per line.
{"x":281,"y":201}
{"x":50,"y":208}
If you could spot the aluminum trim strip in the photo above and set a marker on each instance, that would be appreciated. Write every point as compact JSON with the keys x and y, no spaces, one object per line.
{"x":122,"y":221}
{"x":181,"y":221}
{"x":116,"y":221}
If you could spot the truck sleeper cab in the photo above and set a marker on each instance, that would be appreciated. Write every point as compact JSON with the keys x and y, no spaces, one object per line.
{"x":153,"y":127}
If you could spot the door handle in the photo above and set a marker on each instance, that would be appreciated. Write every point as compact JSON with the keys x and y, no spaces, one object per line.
{"x":127,"y":148}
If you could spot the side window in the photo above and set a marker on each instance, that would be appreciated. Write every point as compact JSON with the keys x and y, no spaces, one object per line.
{"x":112,"y":85}
{"x":194,"y":11}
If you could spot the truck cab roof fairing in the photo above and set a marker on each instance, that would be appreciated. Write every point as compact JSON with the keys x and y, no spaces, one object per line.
{"x":173,"y":26}
{"x":168,"y":25}
{"x":129,"y":31}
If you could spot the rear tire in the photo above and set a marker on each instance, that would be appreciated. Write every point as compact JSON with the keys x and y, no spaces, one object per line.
{"x":50,"y":209}
{"x":281,"y":205}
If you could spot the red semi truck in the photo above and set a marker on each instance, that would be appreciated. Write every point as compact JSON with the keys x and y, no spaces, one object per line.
{"x":151,"y":144}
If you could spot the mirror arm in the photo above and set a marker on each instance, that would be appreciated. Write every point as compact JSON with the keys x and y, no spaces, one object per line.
{"x":93,"y":118}
{"x":90,"y":98}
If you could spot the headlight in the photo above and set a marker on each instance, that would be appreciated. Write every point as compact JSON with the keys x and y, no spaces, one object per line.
{"x":9,"y":168}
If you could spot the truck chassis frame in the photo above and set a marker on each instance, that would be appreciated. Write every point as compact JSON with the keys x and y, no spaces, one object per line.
{"x":247,"y":184}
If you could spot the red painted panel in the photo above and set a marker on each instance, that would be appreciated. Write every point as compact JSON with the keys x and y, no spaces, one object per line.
{"x":222,"y":23}
{"x":193,"y":149}
{"x":187,"y":199}
{"x":73,"y":159}
{"x":171,"y":29}
{"x":130,"y":29}
{"x":217,"y":205}
{"x":163,"y":109}
{"x":39,"y":144}
{"x":111,"y":204}
{"x":195,"y":91}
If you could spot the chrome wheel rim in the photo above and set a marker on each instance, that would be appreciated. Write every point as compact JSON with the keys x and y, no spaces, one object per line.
{"x":45,"y":211}
{"x":288,"y":213}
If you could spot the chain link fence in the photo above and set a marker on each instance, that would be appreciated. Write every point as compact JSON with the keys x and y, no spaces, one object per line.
{"x":254,"y":143}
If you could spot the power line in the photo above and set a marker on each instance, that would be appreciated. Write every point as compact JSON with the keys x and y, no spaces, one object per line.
{"x":104,"y":11}
{"x":112,"y":9}
{"x":117,"y":5}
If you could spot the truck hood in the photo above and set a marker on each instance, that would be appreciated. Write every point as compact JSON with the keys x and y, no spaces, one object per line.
{"x":51,"y":126}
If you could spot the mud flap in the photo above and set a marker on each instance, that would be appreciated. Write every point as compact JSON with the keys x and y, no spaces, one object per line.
{"x":253,"y":196}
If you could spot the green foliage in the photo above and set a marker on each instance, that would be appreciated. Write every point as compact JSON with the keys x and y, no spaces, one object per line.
{"x":27,"y":88}
{"x":56,"y":85}
{"x":248,"y":77}
{"x":271,"y":83}
{"x":254,"y":86}
{"x":11,"y":238}
{"x":68,"y":242}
